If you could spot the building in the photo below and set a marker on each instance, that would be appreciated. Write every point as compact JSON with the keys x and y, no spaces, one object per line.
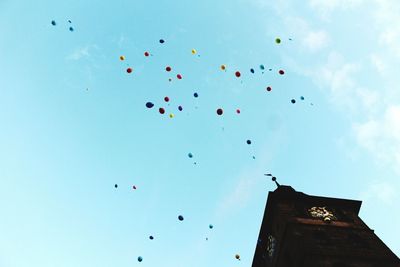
{"x":303,"y":230}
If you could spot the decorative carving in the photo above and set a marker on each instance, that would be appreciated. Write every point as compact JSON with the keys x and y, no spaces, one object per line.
{"x":322,"y":213}
{"x":271,"y":243}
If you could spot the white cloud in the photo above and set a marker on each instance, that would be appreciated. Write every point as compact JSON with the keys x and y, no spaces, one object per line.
{"x":381,"y":137}
{"x":381,"y":191}
{"x":315,"y":40}
{"x":325,"y":7}
{"x":82,"y":52}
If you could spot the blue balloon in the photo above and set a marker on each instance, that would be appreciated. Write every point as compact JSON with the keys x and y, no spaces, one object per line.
{"x":211,"y":226}
{"x":180,"y":217}
{"x":71,"y":29}
{"x":140,"y":259}
{"x":149,"y":105}
{"x":196,"y":95}
{"x":53,"y":22}
{"x":252,"y":70}
{"x":302,"y":97}
{"x":262,"y":67}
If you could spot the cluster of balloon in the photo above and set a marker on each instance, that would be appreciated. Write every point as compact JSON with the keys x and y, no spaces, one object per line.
{"x":129,"y":69}
{"x":54,"y":23}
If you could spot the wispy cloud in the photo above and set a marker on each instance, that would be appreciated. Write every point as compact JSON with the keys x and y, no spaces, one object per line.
{"x":380,"y":191}
{"x":82,"y":52}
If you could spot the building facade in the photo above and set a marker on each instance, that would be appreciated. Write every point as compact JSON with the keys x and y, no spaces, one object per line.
{"x":303,"y":230}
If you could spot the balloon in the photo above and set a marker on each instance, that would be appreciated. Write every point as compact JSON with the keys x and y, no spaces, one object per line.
{"x":170,"y":79}
{"x":269,"y":88}
{"x":220,"y":111}
{"x":196,"y":95}
{"x":293,"y":101}
{"x":162,"y":41}
{"x":69,"y":21}
{"x":149,"y":105}
{"x":171,"y":115}
{"x":301,"y":97}
{"x":223,"y":67}
{"x":71,"y":29}
{"x":211,"y":226}
{"x":237,"y":74}
{"x":146,"y":54}
{"x":194,"y":51}
{"x":151,"y":237}
{"x":179,"y":76}
{"x":278,"y":40}
{"x":161,"y":110}
{"x":281,"y":72}
{"x":248,"y":142}
{"x":262,"y":67}
{"x":180,"y":217}
{"x":168,"y":68}
{"x":190,"y":155}
{"x":129,"y":70}
{"x":166,"y":99}
{"x":180,"y":108}
{"x":134,"y":187}
{"x":121,"y":58}
{"x":252,"y":70}
{"x":140,"y":259}
{"x":116,"y":186}
{"x":53,"y":22}
{"x":237,"y":256}
{"x":238,"y":111}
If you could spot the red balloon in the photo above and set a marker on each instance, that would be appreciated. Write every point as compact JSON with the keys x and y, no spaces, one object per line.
{"x":237,"y":74}
{"x":166,"y":99}
{"x":238,"y":111}
{"x":220,"y":111}
{"x":146,"y":54}
{"x":129,"y":70}
{"x":179,"y":76}
{"x":168,"y":68}
{"x":269,"y":88}
{"x":161,"y":110}
{"x":281,"y":72}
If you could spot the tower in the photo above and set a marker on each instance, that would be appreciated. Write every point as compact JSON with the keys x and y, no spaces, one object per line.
{"x":303,"y":230}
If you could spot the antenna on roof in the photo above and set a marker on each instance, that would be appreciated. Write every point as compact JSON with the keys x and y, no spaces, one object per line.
{"x":273,"y":179}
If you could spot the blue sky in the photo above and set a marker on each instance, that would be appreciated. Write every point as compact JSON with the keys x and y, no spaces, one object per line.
{"x":74,"y":123}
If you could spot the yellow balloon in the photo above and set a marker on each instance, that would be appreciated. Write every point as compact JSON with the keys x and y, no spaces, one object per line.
{"x":122,"y":58}
{"x":223,"y":67}
{"x":194,"y":51}
{"x":171,"y":115}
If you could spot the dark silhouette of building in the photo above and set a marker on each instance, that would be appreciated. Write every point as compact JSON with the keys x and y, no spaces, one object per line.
{"x":303,"y":230}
